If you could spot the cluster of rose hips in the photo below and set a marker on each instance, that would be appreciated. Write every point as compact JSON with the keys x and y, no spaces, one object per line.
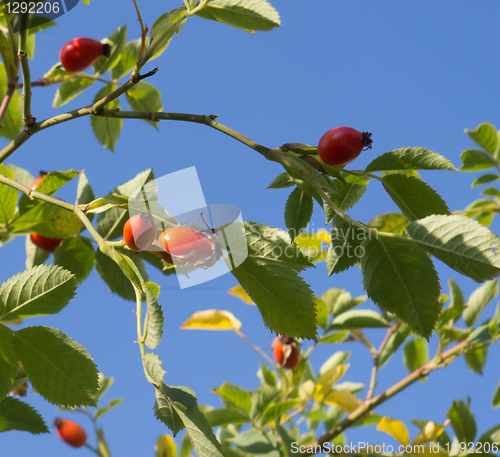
{"x":185,"y":245}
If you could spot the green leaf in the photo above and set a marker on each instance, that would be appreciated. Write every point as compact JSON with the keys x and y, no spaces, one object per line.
{"x":478,"y":301}
{"x":390,"y":222}
{"x":487,"y":178}
{"x":225,"y":416}
{"x":491,"y":192}
{"x":165,"y":412}
{"x":360,"y":318}
{"x":68,"y":90}
{"x":298,"y":212}
{"x":164,"y":29}
{"x":345,"y":248}
{"x":461,"y":243}
{"x":9,"y":59}
{"x":338,"y":358}
{"x":462,"y":421}
{"x":36,"y":292}
{"x":345,"y":302}
{"x":58,"y":367}
{"x":117,"y":43}
{"x":8,"y":197}
{"x":277,"y":410}
{"x":283,"y":181}
{"x":262,"y":398}
{"x":413,"y":196}
{"x":492,"y":436}
{"x":247,"y":15}
{"x":474,"y":160}
{"x":48,"y":220}
{"x":12,"y":120}
{"x":77,"y":256}
{"x":395,"y":341}
{"x":17,"y":415}
{"x":111,"y":405}
{"x":103,"y":204}
{"x":84,"y":193}
{"x":128,"y":61}
{"x":450,"y":314}
{"x":282,"y":296}
{"x":153,"y":323}
{"x":266,"y":375}
{"x":476,"y":359}
{"x":112,"y":275}
{"x":240,"y":398}
{"x":401,"y":279}
{"x":337,"y":337}
{"x":410,"y":159}
{"x":256,"y":442}
{"x":416,"y":354}
{"x":153,"y":369}
{"x":349,"y":194}
{"x":483,"y":210}
{"x":106,"y":129}
{"x":485,"y":136}
{"x":145,"y":97}
{"x":495,"y":402}
{"x":8,"y":361}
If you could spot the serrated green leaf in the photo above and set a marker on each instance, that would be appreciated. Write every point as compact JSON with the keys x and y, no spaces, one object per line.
{"x":164,"y":29}
{"x":390,"y":222}
{"x":298,"y":212}
{"x":165,"y":412}
{"x":462,"y":421}
{"x":128,"y":61}
{"x":256,"y":442}
{"x":401,"y":279}
{"x":395,"y":341}
{"x":461,"y":243}
{"x":277,"y":410}
{"x":8,"y":197}
{"x":349,"y":194}
{"x":282,"y":296}
{"x":68,"y":90}
{"x":236,"y":395}
{"x":8,"y":361}
{"x":77,"y":256}
{"x":474,"y":160}
{"x":478,"y":301}
{"x":262,"y":398}
{"x":153,"y":323}
{"x":116,"y":42}
{"x":356,"y":319}
{"x":487,"y":178}
{"x":410,"y":159}
{"x":12,"y":120}
{"x":36,"y":292}
{"x":282,"y":181}
{"x":145,"y":97}
{"x":476,"y":359}
{"x":247,"y":15}
{"x":414,"y":197}
{"x":58,"y":367}
{"x":17,"y":415}
{"x":153,"y":369}
{"x":416,"y":354}
{"x":106,"y":129}
{"x":485,"y":136}
{"x":224,"y":416}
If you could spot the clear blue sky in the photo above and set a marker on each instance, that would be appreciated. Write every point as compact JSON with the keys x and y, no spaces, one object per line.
{"x":412,"y":73}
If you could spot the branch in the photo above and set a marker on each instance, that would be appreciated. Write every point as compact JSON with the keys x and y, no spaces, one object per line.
{"x":28,"y":118}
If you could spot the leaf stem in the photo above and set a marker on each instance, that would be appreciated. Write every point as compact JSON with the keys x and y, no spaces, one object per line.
{"x":28,"y":119}
{"x":256,"y":348}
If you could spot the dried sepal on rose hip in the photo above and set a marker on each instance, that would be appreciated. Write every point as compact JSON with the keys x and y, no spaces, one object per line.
{"x":80,"y":53}
{"x":70,"y":432}
{"x":286,"y":351}
{"x":139,"y":232}
{"x":341,"y":145}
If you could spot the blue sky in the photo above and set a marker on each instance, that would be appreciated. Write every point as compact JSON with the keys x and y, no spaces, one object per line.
{"x":412,"y":73}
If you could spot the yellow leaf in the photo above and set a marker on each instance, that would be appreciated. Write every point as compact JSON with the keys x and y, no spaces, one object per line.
{"x":239,"y":292}
{"x":429,"y":433}
{"x":327,"y":380}
{"x":212,"y":319}
{"x":165,"y":446}
{"x":394,"y":428}
{"x":324,"y":235}
{"x":344,"y":399}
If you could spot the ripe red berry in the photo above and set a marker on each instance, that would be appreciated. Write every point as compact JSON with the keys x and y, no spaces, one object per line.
{"x":35,"y":183}
{"x":45,"y":243}
{"x":286,"y":351}
{"x":81,"y":53}
{"x":70,"y":432}
{"x":185,"y":242}
{"x":139,"y":232}
{"x":341,"y":145}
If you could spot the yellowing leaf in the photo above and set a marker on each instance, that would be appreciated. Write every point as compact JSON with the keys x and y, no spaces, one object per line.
{"x":239,"y":292}
{"x":324,"y":235}
{"x":327,"y":380}
{"x":394,"y":428}
{"x":429,"y":433}
{"x":343,"y":399}
{"x":165,"y":446}
{"x":306,"y":390}
{"x":212,"y":319}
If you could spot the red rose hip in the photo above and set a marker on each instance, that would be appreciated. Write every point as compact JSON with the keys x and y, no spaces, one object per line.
{"x":70,"y":432}
{"x":81,"y":53}
{"x":139,"y":232}
{"x":286,"y":352}
{"x":185,"y":242}
{"x":341,"y":145}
